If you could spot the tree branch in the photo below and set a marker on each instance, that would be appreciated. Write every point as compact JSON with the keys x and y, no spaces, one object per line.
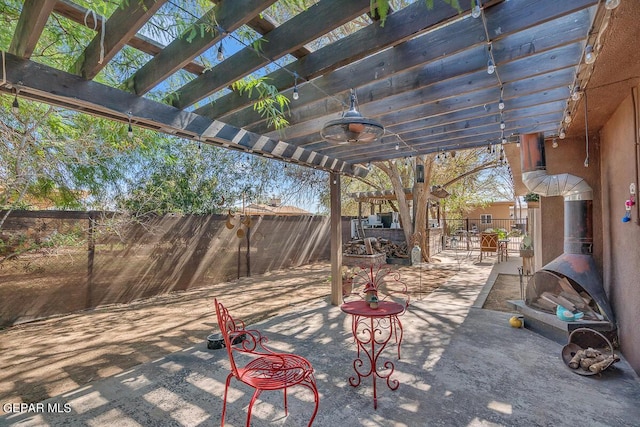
{"x":482,"y":167}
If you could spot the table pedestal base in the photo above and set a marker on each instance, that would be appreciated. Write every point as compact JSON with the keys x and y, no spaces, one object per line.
{"x":372,"y":336}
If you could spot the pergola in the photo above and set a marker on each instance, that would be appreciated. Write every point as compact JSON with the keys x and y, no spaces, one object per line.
{"x":423,"y":75}
{"x":435,"y":77}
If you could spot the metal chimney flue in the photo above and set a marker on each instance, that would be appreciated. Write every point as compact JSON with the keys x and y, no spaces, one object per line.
{"x":576,"y":263}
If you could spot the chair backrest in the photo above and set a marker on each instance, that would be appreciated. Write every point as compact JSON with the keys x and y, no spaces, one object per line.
{"x":488,"y":242}
{"x":230,"y":330}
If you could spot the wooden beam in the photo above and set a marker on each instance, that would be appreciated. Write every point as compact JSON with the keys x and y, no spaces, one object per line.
{"x":509,"y":53}
{"x":529,"y":102}
{"x":484,"y":127}
{"x":262,"y":24}
{"x":314,"y":22}
{"x":399,"y":26}
{"x":431,"y":86}
{"x":121,"y":26}
{"x":43,"y":83}
{"x":229,"y":15}
{"x":533,"y":91}
{"x":77,"y":14}
{"x":33,"y":18}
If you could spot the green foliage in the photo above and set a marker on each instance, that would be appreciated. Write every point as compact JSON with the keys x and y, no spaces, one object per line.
{"x":269,"y":103}
{"x":531,"y":197}
{"x":381,"y":7}
{"x":12,"y":245}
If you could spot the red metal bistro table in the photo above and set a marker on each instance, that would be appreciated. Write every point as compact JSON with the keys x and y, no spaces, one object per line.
{"x":372,"y":330}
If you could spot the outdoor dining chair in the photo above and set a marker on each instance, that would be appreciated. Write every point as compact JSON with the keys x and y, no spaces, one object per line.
{"x":267,"y":370}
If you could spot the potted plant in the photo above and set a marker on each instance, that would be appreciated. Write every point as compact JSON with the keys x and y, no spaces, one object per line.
{"x":526,"y":247}
{"x":532,"y":200}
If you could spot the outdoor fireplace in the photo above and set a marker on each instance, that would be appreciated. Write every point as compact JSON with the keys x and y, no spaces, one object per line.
{"x":572,"y":280}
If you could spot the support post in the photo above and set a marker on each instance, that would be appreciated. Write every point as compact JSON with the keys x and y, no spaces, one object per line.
{"x":91,"y":252}
{"x":336,"y":239}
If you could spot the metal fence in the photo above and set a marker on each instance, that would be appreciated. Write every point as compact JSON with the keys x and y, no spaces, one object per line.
{"x":465,"y":233}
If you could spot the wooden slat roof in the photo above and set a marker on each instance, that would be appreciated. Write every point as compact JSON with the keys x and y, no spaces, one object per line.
{"x":423,"y":75}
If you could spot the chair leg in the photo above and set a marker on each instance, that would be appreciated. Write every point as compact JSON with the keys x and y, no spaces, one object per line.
{"x":224,"y":400}
{"x":316,"y":398}
{"x":253,"y":400}
{"x":286,"y":409}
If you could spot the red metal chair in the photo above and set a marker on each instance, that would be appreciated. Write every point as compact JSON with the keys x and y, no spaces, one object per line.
{"x":268,"y":370}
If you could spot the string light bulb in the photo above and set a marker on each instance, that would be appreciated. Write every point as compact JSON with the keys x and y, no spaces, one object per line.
{"x":502,"y":125}
{"x":491,"y":67}
{"x":296,"y":94}
{"x":130,"y":129}
{"x":589,"y":55}
{"x":220,"y":55}
{"x":567,"y":117}
{"x":562,"y":134}
{"x":15,"y":106}
{"x":476,"y":11}
{"x":397,"y":147}
{"x":576,"y":93}
{"x":611,"y":4}
{"x":555,"y":143}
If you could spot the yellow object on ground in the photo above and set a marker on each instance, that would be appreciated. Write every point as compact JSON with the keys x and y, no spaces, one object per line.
{"x":515,"y":322}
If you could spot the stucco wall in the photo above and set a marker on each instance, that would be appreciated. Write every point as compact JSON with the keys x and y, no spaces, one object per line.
{"x":621,"y":258}
{"x":498,"y":210}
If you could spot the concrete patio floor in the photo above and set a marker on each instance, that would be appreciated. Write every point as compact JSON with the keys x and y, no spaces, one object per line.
{"x":461,"y":365}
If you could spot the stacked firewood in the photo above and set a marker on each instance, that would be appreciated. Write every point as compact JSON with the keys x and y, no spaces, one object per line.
{"x":570,"y":299}
{"x":372,"y":245}
{"x":592,"y":360}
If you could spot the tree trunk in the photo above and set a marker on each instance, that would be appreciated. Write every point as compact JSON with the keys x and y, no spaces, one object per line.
{"x":421,"y":194}
{"x":391,"y":169}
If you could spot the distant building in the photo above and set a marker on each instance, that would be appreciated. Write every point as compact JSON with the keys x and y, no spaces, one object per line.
{"x":494,"y":214}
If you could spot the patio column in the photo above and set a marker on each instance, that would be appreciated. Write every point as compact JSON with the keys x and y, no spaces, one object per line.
{"x":336,"y":238}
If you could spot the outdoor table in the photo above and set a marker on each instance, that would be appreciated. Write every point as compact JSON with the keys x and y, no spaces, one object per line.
{"x":374,"y":328}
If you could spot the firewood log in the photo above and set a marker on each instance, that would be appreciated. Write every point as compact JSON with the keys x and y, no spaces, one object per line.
{"x":601,"y":366}
{"x":588,"y":361}
{"x":591,"y":352}
{"x":575,"y":360}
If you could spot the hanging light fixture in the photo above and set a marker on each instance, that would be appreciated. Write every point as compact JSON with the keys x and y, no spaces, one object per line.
{"x":352,"y":128}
